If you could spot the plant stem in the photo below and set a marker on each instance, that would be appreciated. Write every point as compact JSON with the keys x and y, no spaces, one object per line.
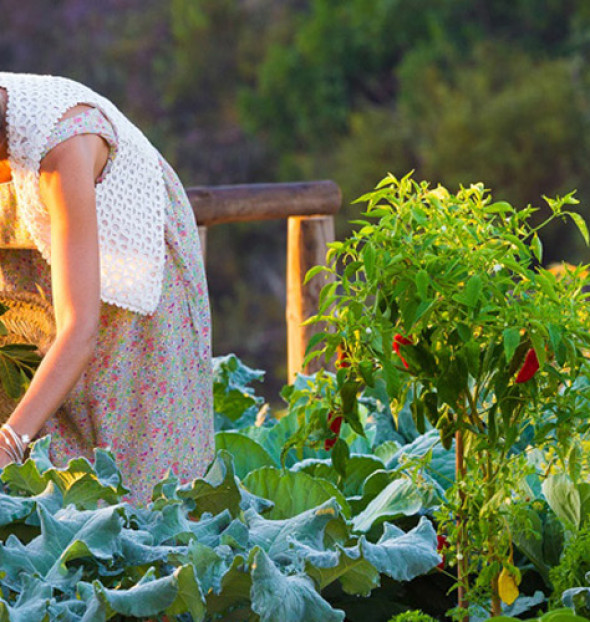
{"x":473,"y":414}
{"x":496,"y":602}
{"x":462,"y":579}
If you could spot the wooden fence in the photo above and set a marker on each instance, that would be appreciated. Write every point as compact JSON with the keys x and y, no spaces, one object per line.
{"x":309,"y":209}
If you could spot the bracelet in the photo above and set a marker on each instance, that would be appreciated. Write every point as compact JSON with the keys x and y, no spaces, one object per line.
{"x":9,"y":449}
{"x":21,"y":440}
{"x":16,"y":443}
{"x":10,"y":455}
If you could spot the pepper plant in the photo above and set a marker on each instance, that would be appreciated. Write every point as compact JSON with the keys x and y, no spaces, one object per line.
{"x":441,"y":299}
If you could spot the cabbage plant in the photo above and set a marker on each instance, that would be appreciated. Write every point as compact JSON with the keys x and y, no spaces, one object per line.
{"x":213,"y":548}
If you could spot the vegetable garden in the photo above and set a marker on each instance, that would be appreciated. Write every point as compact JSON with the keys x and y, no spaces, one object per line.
{"x":436,"y":467}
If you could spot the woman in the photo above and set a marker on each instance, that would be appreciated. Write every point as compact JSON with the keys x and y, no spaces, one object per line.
{"x":131,"y":359}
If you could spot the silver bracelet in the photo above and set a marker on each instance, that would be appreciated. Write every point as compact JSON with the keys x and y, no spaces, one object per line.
{"x":13,"y":452}
{"x":7,"y":452}
{"x":21,"y":440}
{"x":15,"y":441}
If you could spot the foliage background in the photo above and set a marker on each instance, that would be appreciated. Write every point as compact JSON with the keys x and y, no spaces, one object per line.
{"x":245,"y":91}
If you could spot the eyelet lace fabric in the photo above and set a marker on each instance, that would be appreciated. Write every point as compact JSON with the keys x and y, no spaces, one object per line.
{"x":89,"y":121}
{"x":130,"y":200}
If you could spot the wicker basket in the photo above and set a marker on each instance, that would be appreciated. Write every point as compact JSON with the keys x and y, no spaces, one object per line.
{"x":29,"y":319}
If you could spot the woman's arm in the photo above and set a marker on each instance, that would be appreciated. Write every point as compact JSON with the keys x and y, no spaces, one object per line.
{"x":67,"y":189}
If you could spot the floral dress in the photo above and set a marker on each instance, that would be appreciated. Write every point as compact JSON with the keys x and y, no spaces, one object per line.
{"x":147,"y":392}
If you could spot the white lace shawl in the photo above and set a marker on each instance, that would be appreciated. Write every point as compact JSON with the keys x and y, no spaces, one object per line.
{"x":130,"y":201}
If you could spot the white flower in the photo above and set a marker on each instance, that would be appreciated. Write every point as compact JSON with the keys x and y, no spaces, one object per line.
{"x":443,"y":228}
{"x":368,"y":331}
{"x":497,"y":267}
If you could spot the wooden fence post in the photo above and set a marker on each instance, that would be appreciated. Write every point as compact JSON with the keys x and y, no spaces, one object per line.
{"x":309,"y":208}
{"x":203,"y":241}
{"x":307,"y":241}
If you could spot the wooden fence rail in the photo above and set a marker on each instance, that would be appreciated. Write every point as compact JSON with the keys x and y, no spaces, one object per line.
{"x":309,"y":209}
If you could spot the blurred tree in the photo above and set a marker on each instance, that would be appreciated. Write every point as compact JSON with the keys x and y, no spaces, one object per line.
{"x":337,"y":54}
{"x":515,"y":123}
{"x":459,"y":91}
{"x":263,"y":90}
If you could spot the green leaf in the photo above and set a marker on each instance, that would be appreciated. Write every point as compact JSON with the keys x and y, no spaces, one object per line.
{"x":24,"y":478}
{"x":392,"y":378}
{"x":417,"y":408}
{"x":292,"y":492}
{"x":10,"y":377}
{"x":473,"y":290}
{"x":67,"y":535}
{"x":349,"y":395}
{"x":441,"y":461}
{"x":400,"y":498}
{"x":326,"y":296}
{"x":581,"y":224}
{"x":574,"y":597}
{"x":470,"y":353}
{"x":280,"y":598}
{"x":537,"y":247}
{"x":452,"y":382}
{"x":189,"y":597}
{"x":340,"y":455}
{"x":511,"y":341}
{"x":563,"y":498}
{"x":404,"y":556}
{"x":234,"y":593}
{"x":209,"y":565}
{"x":386,"y":451}
{"x":499,"y":207}
{"x":80,"y":485}
{"x":546,"y":281}
{"x":368,"y":255}
{"x":314,"y":340}
{"x":313,"y":272}
{"x":247,"y":453}
{"x":217,"y":490}
{"x":367,"y":372}
{"x":529,"y":537}
{"x":556,"y":337}
{"x":422,"y":283}
{"x":430,"y":400}
{"x":471,"y":293}
{"x":147,"y":598}
{"x":359,"y":467}
{"x":401,"y":556}
{"x":349,"y":566}
{"x":539,"y":346}
{"x":465,"y":332}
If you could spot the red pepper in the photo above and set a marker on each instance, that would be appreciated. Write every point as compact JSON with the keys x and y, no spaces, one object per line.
{"x":441,"y":545}
{"x":334,"y":423}
{"x":529,"y":367}
{"x":342,"y":360}
{"x":404,"y":341}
